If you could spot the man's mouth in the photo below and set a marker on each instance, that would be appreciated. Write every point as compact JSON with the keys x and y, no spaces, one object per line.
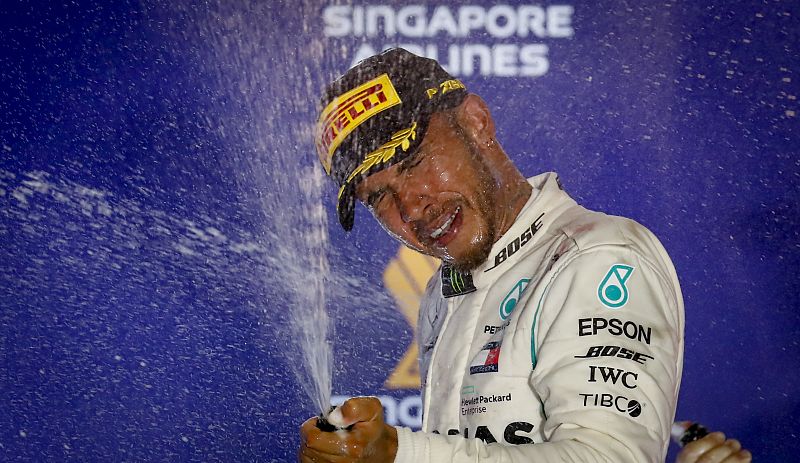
{"x":445,"y":232}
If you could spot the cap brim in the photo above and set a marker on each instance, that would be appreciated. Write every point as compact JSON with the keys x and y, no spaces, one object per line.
{"x":346,"y":206}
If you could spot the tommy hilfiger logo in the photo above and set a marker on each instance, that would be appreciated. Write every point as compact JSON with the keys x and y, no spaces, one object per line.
{"x":487,"y":359}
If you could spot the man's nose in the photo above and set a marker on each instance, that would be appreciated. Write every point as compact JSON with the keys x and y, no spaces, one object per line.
{"x":413,"y":200}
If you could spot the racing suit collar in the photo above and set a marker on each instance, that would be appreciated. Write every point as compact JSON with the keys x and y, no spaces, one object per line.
{"x":547,"y":199}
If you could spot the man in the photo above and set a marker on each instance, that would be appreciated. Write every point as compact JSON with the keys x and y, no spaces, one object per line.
{"x":547,"y":324}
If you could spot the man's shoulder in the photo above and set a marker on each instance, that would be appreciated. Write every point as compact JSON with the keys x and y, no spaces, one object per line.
{"x":588,"y":229}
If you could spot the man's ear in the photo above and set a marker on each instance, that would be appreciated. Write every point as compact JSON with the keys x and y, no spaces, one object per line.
{"x":475,"y":119}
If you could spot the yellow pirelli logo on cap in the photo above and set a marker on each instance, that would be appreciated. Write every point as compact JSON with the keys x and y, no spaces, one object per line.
{"x":348,"y":111}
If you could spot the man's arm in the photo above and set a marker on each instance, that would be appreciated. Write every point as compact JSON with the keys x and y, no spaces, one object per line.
{"x":364,"y":437}
{"x":606,"y":371}
{"x":376,"y":442}
{"x":567,"y":342}
{"x":610,"y":352}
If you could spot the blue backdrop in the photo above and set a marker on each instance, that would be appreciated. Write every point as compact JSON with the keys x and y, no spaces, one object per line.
{"x":150,"y":158}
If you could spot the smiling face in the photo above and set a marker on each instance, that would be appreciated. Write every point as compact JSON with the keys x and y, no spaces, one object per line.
{"x":443,"y":200}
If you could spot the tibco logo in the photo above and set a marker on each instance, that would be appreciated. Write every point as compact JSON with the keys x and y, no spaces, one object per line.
{"x":621,"y":403}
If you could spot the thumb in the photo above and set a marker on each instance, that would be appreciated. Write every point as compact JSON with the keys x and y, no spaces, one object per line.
{"x":356,"y":410}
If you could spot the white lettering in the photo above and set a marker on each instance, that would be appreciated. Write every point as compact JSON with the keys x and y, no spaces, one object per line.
{"x":454,"y":58}
{"x":483,"y":55}
{"x":493,"y":23}
{"x":389,"y":408}
{"x":407,"y":418}
{"x":417,"y":20}
{"x":411,"y":21}
{"x":442,"y":21}
{"x":480,"y":56}
{"x":505,"y":60}
{"x":531,"y":18}
{"x":559,"y":21}
{"x":470,"y":18}
{"x":374,"y":16}
{"x":534,"y":60}
{"x":358,"y":21}
{"x":337,"y":23}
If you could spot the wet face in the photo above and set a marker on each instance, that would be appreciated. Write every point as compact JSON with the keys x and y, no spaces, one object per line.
{"x":438,"y":201}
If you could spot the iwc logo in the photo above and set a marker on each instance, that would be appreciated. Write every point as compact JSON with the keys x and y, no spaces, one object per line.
{"x":612,"y":291}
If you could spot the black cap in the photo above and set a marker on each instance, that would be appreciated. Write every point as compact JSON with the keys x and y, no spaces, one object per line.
{"x":376,"y":115}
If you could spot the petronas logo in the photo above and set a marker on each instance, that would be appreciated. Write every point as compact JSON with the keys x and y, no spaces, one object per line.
{"x":612,"y":291}
{"x":511,"y":299}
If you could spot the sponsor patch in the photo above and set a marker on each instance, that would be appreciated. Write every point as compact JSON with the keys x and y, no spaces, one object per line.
{"x":613,"y":376}
{"x":615,"y":351}
{"x":620,"y":403}
{"x":477,"y":405}
{"x":487,"y":359}
{"x":517,"y":243}
{"x":615,"y":327}
{"x":348,"y":111}
{"x":511,"y":299}
{"x":612,"y":291}
{"x":492,"y":329}
{"x":455,"y":283}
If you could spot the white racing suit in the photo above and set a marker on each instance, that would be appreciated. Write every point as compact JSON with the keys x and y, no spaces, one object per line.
{"x":569,"y":337}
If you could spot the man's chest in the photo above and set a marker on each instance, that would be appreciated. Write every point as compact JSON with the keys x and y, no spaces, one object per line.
{"x":479,"y":383}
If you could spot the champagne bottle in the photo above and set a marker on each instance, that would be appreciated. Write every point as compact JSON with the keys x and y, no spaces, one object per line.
{"x":325,"y":425}
{"x":684,"y":432}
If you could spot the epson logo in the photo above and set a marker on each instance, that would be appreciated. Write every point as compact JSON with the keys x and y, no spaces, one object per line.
{"x":612,"y":376}
{"x":614,"y":327}
{"x":615,"y":351}
{"x":420,"y":28}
